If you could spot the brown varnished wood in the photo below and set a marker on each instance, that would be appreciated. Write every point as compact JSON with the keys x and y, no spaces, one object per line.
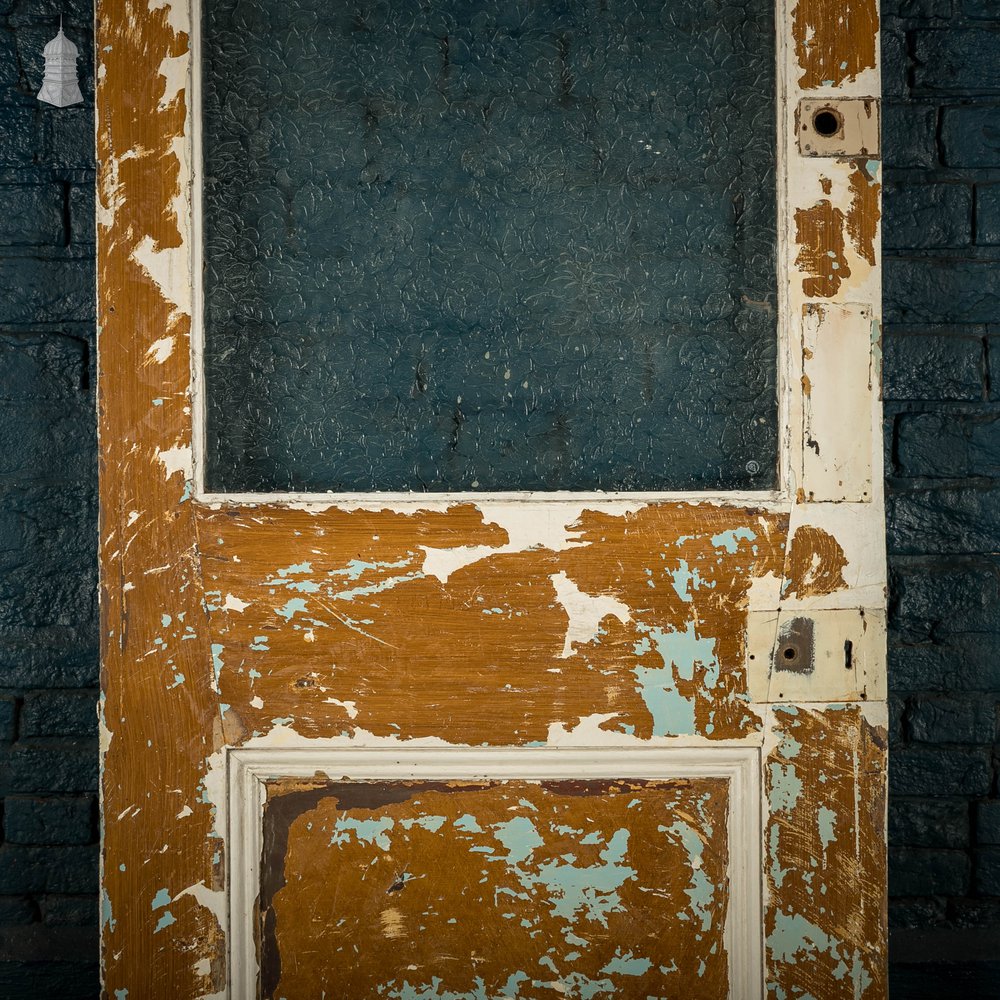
{"x":835,"y":40}
{"x":342,"y":628}
{"x":825,"y":783}
{"x":620,"y":885}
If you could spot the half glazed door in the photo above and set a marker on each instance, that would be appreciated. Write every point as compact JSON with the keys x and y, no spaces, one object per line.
{"x":492,"y":562}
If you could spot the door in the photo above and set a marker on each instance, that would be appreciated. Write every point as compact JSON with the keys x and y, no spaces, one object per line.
{"x":492,"y":561}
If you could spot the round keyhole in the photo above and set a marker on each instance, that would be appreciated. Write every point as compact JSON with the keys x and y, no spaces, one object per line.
{"x":826,"y":123}
{"x":789,"y":653}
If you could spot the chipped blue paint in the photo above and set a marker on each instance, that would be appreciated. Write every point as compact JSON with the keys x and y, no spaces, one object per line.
{"x":217,"y":663}
{"x":469,"y":823}
{"x":390,"y":583}
{"x":681,"y":653}
{"x":107,"y":917}
{"x":178,"y":680}
{"x":260,"y":644}
{"x":777,"y":872}
{"x":293,"y":605}
{"x":730,"y":540}
{"x":789,"y":746}
{"x":520,"y":837}
{"x":371,"y":831}
{"x":165,"y":620}
{"x":627,"y":965}
{"x":162,"y":898}
{"x":685,"y":580}
{"x":282,"y":720}
{"x":827,"y":820}
{"x":121,"y":994}
{"x":786,"y":787}
{"x":165,"y":921}
{"x":432,"y":823}
{"x":700,"y":891}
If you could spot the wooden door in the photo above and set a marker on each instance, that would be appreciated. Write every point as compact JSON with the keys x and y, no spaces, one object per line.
{"x":586,"y":741}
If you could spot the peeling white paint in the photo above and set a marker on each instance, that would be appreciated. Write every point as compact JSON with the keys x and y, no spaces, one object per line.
{"x":160,"y":350}
{"x":174,"y":460}
{"x":585,"y":612}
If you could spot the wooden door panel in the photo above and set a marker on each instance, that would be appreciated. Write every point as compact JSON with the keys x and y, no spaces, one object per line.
{"x":518,"y":888}
{"x":441,"y":624}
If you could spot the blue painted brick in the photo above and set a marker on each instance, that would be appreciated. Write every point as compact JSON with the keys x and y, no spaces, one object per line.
{"x":81,"y":213}
{"x":895,"y":64}
{"x":16,"y":910}
{"x":49,"y":820}
{"x":18,"y":137}
{"x":961,"y":663}
{"x":908,"y":912}
{"x":952,"y":719}
{"x":924,"y":872}
{"x":40,"y":442}
{"x":956,"y":596}
{"x":31,"y":214}
{"x":987,"y":10}
{"x":909,"y":135}
{"x":42,"y":367}
{"x":8,"y":719}
{"x":939,"y":772}
{"x":988,"y":214}
{"x":44,"y":769}
{"x":72,"y":910}
{"x":949,"y":445}
{"x":59,"y":713}
{"x":952,"y":521}
{"x":929,"y":823}
{"x":971,"y":136}
{"x":46,"y":291}
{"x":957,"y":60}
{"x":918,"y":9}
{"x":932,"y":366}
{"x":927,"y":215}
{"x":940,"y":290}
{"x":988,"y":822}
{"x":65,"y":869}
{"x":988,"y":871}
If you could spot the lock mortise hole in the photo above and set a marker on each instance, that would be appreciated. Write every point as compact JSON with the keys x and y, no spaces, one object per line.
{"x":789,"y":653}
{"x":827,"y":122}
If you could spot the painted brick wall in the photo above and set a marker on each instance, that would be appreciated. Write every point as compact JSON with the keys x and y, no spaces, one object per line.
{"x":48,"y":615}
{"x":942,"y":370}
{"x":942,"y":144}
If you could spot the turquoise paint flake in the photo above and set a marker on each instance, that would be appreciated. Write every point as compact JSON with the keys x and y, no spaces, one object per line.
{"x":627,"y":965}
{"x":107,"y":918}
{"x":777,"y":872}
{"x":376,"y":588}
{"x":432,"y":823}
{"x":519,"y":836}
{"x":293,"y":605}
{"x":165,"y":620}
{"x":121,"y":994}
{"x":700,"y":890}
{"x":162,"y":898}
{"x":827,"y":821}
{"x":786,"y":787}
{"x":730,"y":540}
{"x":217,"y":664}
{"x":165,"y":921}
{"x":685,"y":580}
{"x":178,"y":681}
{"x":371,"y":831}
{"x":681,"y":653}
{"x":469,"y":823}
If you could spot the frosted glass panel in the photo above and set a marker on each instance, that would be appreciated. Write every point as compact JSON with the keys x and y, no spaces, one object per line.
{"x":489,"y":246}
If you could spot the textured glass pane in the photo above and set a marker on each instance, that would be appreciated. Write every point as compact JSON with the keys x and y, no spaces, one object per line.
{"x":490,"y":245}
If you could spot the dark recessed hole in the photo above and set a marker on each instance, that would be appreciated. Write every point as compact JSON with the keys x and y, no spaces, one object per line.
{"x":789,"y":653}
{"x":826,"y":123}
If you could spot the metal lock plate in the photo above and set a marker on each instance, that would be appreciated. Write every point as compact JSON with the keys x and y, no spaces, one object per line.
{"x":840,"y":127}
